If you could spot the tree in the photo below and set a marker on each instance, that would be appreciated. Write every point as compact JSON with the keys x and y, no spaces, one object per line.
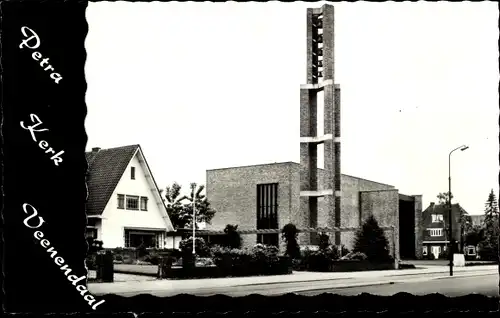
{"x":204,"y":213}
{"x":474,"y":236}
{"x":371,"y":241}
{"x":491,"y":209}
{"x":443,"y":197}
{"x":489,"y":246}
{"x":180,"y":207}
{"x":175,"y":207}
{"x":233,"y":238}
{"x":289,"y":234}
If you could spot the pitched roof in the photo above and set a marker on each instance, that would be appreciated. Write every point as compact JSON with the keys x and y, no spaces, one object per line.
{"x":441,"y":209}
{"x":106,"y":167}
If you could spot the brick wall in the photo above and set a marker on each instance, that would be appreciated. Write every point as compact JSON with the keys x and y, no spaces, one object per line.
{"x":384,"y":206}
{"x":419,"y":234}
{"x":232,"y":193}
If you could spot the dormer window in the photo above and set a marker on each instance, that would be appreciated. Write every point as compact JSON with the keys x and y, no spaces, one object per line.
{"x":132,"y":173}
{"x":437,"y":218}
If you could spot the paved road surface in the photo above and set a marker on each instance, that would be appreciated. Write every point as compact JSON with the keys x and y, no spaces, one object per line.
{"x":462,"y":284}
{"x":454,"y":286}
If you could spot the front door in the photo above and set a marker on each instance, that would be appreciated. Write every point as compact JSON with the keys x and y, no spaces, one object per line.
{"x":436,"y":250}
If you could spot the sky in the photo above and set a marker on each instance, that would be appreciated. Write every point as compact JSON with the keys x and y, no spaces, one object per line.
{"x":203,"y":86}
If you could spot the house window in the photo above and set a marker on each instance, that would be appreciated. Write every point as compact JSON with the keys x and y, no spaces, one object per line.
{"x":132,"y":202}
{"x":132,"y":173}
{"x":437,"y":218}
{"x":424,"y":251}
{"x":436,"y":232}
{"x":121,"y":201}
{"x":135,"y":238}
{"x":144,"y":203}
{"x":91,"y":233}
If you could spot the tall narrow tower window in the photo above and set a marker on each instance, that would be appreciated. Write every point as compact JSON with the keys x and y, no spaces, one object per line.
{"x":267,"y":213}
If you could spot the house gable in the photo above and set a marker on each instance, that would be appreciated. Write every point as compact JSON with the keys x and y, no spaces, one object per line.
{"x":110,"y":175}
{"x":143,"y":185}
{"x":105,"y":169}
{"x":441,"y":209}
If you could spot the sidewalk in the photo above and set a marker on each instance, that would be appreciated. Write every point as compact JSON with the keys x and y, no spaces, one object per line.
{"x":346,"y":278}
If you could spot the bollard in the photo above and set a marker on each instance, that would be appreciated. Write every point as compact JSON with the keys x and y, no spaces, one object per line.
{"x":165,"y":267}
{"x":105,"y":267}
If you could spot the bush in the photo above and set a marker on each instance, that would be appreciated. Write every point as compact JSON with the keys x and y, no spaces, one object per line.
{"x":141,"y":251}
{"x":443,"y":254}
{"x":430,"y":256}
{"x":355,"y":256}
{"x":324,"y":241}
{"x":371,"y":241}
{"x":258,"y":260}
{"x":289,"y":235}
{"x":487,"y":252}
{"x":233,"y":238}
{"x":344,"y":250}
{"x":94,"y":246}
{"x":201,"y":248}
{"x":320,"y":260}
{"x":153,"y":259}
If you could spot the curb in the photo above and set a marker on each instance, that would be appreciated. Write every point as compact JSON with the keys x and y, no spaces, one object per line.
{"x":326,"y":279}
{"x":135,"y":273}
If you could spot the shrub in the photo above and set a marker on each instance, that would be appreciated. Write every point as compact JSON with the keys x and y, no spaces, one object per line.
{"x":141,"y":251}
{"x":324,"y":241}
{"x":94,"y":246}
{"x":443,"y":254}
{"x":232,"y":237}
{"x":371,"y":241}
{"x":344,"y":250}
{"x":201,"y":248}
{"x":238,"y":262}
{"x":487,"y":252}
{"x":355,"y":256}
{"x":333,"y":252}
{"x":289,"y":235}
{"x":153,"y":259}
{"x":319,"y":260}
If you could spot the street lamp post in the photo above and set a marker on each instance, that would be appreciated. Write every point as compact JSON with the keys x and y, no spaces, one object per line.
{"x":450,"y":251}
{"x":194,"y":223}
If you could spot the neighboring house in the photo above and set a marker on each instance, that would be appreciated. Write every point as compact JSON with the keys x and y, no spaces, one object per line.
{"x":477,"y":220}
{"x":435,"y":222}
{"x":124,"y":205}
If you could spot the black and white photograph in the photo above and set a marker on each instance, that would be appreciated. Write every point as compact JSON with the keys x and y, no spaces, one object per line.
{"x":303,"y":148}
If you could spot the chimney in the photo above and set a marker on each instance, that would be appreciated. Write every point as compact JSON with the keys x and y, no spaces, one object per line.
{"x":96,"y":149}
{"x":432,"y":203}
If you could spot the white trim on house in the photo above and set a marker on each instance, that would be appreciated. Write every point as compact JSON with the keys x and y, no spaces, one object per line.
{"x":435,"y":242}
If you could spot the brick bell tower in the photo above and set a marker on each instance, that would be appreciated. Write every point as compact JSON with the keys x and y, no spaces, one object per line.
{"x":320,"y":78}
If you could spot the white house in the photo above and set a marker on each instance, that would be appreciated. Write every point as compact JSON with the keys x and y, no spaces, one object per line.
{"x":124,"y":205}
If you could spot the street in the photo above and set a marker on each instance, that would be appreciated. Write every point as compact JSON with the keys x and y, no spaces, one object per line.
{"x":454,"y":286}
{"x":482,"y":280}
